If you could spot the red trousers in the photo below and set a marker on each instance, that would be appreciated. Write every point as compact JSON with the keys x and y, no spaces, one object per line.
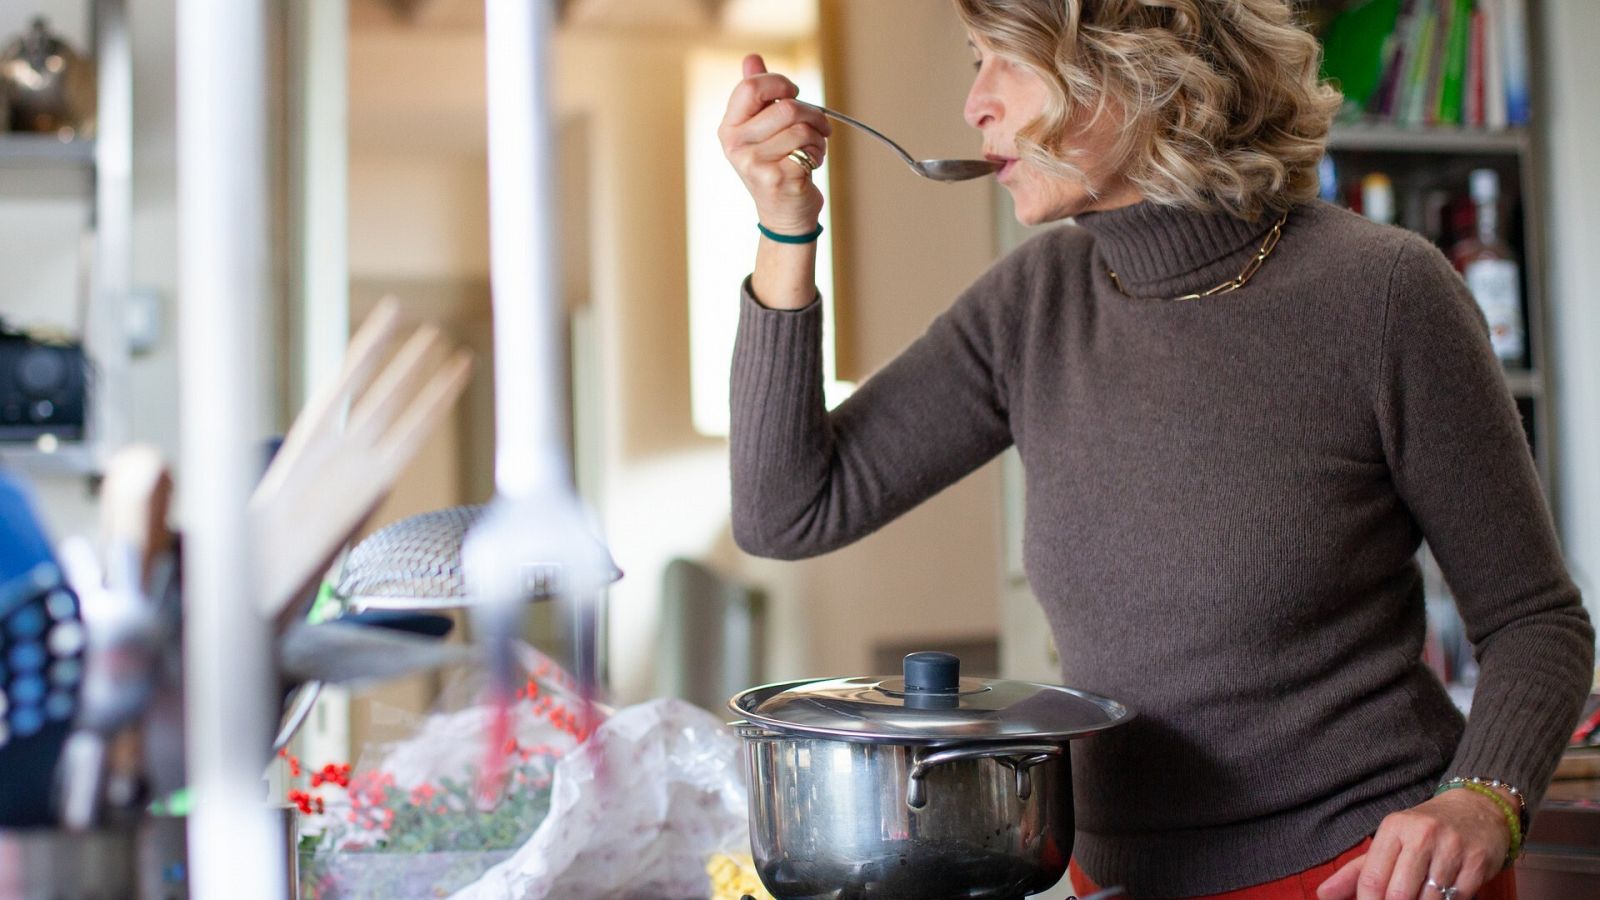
{"x":1303,"y":886}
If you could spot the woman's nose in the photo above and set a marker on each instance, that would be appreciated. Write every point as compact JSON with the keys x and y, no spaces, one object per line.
{"x":983,"y":106}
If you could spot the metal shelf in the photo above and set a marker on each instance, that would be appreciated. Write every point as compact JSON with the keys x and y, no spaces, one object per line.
{"x":45,"y":151}
{"x":66,"y":458}
{"x":42,"y":165}
{"x":1399,"y":139}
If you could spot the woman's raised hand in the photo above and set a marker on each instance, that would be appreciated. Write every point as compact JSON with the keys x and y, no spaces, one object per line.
{"x":758,"y":132}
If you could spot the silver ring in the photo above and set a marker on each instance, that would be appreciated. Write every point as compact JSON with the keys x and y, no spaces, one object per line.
{"x":1448,"y":893}
{"x":803,"y":159}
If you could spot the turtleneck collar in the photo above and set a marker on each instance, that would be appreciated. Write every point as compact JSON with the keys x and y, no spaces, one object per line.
{"x":1158,"y":250}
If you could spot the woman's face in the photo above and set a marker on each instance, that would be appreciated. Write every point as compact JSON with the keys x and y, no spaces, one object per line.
{"x":1005,"y":97}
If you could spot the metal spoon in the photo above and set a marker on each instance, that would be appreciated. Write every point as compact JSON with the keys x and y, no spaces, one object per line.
{"x":936,"y":169}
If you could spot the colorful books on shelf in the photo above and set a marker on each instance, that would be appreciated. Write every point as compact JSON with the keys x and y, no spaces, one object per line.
{"x":1432,"y":62}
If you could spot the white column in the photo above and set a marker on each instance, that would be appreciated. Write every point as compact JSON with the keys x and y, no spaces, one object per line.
{"x":236,"y":852}
{"x":1572,"y":181}
{"x":113,"y":216}
{"x":530,"y":454}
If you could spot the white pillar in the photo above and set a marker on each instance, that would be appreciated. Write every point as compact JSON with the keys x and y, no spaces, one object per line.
{"x":530,"y":454}
{"x":1571,"y":96}
{"x":236,"y":851}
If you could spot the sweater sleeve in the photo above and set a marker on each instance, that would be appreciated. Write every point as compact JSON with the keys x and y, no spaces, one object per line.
{"x":806,"y":481}
{"x":1460,"y":462}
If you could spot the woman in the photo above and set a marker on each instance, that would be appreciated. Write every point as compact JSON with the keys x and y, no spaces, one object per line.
{"x":1239,"y":410}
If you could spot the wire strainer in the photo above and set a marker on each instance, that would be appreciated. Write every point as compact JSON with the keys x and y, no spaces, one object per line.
{"x":415,"y":564}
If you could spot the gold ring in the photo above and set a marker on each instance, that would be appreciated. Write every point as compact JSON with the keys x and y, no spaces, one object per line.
{"x":803,"y":159}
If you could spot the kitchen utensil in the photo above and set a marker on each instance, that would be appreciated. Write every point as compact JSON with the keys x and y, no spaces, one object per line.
{"x":303,"y":699}
{"x":49,"y":86}
{"x":342,"y":653}
{"x":928,"y":785}
{"x":936,"y":169}
{"x":416,"y":563}
{"x":535,"y":515}
{"x":327,"y":480}
{"x":127,"y":634}
{"x":41,"y":661}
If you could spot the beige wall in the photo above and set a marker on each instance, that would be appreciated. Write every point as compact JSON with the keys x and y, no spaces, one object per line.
{"x":933,"y":574}
{"x":905,"y":247}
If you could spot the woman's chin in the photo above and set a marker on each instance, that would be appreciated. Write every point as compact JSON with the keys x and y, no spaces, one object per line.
{"x":1027,"y":214}
{"x":1032,"y":209}
{"x":1030,"y":217}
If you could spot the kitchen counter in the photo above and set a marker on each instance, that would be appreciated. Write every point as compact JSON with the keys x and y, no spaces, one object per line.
{"x":1562,"y":860}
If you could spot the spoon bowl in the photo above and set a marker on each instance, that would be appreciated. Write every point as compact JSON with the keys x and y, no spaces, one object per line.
{"x":955,"y":169}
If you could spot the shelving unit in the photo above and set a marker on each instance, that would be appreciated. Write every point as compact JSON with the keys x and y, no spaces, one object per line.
{"x":107,"y":161}
{"x":1382,"y":138}
{"x":27,"y":151}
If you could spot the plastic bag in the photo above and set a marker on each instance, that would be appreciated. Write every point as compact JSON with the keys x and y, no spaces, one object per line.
{"x":635,"y":813}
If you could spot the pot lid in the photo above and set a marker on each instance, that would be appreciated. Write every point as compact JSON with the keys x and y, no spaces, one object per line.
{"x":929,"y":704}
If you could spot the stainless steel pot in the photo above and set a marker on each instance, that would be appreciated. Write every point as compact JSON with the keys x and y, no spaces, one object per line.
{"x":927,"y":786}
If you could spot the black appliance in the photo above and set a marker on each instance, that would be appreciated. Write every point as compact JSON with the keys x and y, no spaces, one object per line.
{"x":44,"y":388}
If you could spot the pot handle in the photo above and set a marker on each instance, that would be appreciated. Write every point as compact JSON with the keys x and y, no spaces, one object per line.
{"x":1017,"y":757}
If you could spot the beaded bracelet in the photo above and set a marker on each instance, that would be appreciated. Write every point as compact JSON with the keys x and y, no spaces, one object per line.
{"x":1512,"y":824}
{"x":1497,"y":784}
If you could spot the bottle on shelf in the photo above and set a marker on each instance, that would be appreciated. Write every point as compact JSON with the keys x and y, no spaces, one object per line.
{"x":1491,"y":271}
{"x":1327,"y":179}
{"x":1377,"y":198}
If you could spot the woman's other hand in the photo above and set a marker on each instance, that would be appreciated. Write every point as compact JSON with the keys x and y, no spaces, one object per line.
{"x":1459,"y":839}
{"x":758,"y":132}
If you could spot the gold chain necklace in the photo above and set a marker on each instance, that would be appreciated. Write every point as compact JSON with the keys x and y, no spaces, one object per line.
{"x":1234,"y":283}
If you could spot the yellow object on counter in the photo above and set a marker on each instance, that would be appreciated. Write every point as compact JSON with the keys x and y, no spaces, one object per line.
{"x":733,"y":875}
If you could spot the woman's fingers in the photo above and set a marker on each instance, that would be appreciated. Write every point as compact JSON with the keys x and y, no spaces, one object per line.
{"x":1445,"y":868}
{"x":754,"y":108}
{"x":755,"y":93}
{"x":780,"y":116}
{"x":1410,"y":873}
{"x":797,"y":137}
{"x":1381,"y":856}
{"x":1474,"y":873}
{"x":1342,"y":884}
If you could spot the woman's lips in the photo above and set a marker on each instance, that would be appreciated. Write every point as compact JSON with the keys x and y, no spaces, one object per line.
{"x":1007,"y":163}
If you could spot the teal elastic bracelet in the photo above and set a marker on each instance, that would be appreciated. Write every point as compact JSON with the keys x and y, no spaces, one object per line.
{"x":771,"y":235}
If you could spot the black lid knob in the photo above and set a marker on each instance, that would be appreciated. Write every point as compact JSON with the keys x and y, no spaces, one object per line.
{"x":931,"y":672}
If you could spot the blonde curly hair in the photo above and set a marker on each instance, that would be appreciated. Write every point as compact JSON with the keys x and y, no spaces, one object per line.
{"x":1221,"y":101}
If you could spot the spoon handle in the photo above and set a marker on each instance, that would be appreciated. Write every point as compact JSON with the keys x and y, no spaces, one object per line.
{"x":834,"y":114}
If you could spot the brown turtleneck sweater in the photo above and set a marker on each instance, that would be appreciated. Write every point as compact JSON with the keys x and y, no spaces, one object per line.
{"x":1224,"y":502}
